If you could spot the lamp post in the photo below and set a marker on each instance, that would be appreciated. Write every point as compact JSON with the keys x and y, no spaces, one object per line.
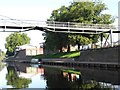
{"x":119,"y":21}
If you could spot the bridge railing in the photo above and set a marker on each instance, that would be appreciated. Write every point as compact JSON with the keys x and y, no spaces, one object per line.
{"x":16,"y":22}
{"x":79,"y":25}
{"x":96,"y":45}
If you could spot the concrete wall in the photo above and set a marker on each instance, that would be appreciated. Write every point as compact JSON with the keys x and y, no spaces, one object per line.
{"x":101,"y":55}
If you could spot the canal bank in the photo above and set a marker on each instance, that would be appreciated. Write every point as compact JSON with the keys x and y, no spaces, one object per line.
{"x":108,"y":54}
{"x":71,"y":63}
{"x":102,"y":57}
{"x":20,"y":59}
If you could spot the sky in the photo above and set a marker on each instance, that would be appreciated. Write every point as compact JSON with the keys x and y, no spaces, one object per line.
{"x":39,"y":10}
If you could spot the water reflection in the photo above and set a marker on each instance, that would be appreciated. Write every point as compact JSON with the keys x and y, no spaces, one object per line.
{"x":15,"y":81}
{"x":21,"y":75}
{"x":2,"y":65}
{"x":72,"y":80}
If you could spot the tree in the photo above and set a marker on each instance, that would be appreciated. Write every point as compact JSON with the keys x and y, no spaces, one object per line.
{"x":55,"y":43}
{"x":81,"y":12}
{"x":2,"y":55}
{"x":15,"y":39}
{"x":15,"y":81}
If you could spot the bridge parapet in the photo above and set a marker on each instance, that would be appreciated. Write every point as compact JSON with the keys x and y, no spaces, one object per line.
{"x":10,"y":21}
{"x":73,"y":27}
{"x":80,"y":25}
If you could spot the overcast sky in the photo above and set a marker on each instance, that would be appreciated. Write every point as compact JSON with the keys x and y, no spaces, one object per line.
{"x":39,"y":10}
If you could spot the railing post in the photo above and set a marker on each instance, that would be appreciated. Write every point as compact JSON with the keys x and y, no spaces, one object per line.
{"x":21,"y":29}
{"x":111,"y":38}
{"x":68,"y":26}
{"x":101,"y":39}
{"x":54,"y":25}
{"x":119,"y":22}
{"x":5,"y":27}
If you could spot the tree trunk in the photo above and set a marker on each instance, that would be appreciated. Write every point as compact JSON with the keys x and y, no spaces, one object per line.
{"x":78,"y":46}
{"x":61,"y":49}
{"x":68,"y":48}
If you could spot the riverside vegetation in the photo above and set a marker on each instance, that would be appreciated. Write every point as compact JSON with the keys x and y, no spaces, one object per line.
{"x":2,"y":55}
{"x":72,"y":54}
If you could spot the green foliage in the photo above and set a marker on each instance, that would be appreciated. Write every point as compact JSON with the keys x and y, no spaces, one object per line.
{"x":2,"y":65}
{"x":15,"y":39}
{"x":55,"y":40}
{"x":81,"y":39}
{"x":71,"y":71}
{"x":2,"y":55}
{"x":72,"y":54}
{"x":15,"y":81}
{"x":81,"y":12}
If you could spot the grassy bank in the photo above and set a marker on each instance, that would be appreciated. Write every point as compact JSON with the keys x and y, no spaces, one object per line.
{"x":73,"y":54}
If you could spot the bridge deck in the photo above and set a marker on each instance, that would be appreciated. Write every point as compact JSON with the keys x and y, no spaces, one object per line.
{"x":14,"y":25}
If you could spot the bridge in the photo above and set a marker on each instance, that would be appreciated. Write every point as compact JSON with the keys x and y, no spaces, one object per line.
{"x":93,"y":56}
{"x":15,"y":25}
{"x":8,"y":24}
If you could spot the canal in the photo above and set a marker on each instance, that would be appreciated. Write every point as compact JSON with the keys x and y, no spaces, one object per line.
{"x":24,"y":75}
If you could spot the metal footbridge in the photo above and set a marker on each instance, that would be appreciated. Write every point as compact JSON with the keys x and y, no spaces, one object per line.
{"x":15,"y":25}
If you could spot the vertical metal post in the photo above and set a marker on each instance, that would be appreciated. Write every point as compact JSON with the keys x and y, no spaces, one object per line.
{"x":21,"y":29}
{"x":5,"y":28}
{"x":101,"y":35}
{"x":119,"y":29}
{"x":21,"y":24}
{"x":111,"y":38}
{"x":54,"y":25}
{"x":118,"y":22}
{"x":68,"y":26}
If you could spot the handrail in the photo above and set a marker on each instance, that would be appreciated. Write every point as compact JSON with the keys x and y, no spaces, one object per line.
{"x":68,"y":27}
{"x":80,"y":25}
{"x":57,"y":24}
{"x":95,"y":45}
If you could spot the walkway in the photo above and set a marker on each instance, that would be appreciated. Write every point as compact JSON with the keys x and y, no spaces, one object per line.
{"x":15,"y":25}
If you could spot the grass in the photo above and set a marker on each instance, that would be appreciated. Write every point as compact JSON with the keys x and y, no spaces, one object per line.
{"x":72,"y":54}
{"x":71,"y":71}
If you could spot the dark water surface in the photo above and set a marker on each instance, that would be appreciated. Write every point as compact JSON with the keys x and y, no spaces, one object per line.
{"x":21,"y":75}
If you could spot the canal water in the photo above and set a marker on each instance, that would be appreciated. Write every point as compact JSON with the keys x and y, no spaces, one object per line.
{"x":24,"y":76}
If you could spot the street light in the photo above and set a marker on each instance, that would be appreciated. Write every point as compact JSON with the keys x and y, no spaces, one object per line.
{"x":119,"y":21}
